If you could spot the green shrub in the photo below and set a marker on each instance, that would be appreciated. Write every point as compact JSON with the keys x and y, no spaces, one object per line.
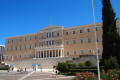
{"x":88,"y":63}
{"x":73,"y":65}
{"x":62,"y":67}
{"x":81,"y":64}
{"x":111,"y":63}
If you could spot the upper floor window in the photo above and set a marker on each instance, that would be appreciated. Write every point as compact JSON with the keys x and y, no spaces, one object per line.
{"x":30,"y":38}
{"x":21,"y":40}
{"x":98,"y":50}
{"x":81,"y":40}
{"x":15,"y":47}
{"x":20,"y":56}
{"x":89,"y":40}
{"x":15,"y":56}
{"x":42,"y":36}
{"x":47,"y":35}
{"x":67,"y":42}
{"x":97,"y":39}
{"x":30,"y":46}
{"x":74,"y":41}
{"x":35,"y":45}
{"x":82,"y":51}
{"x":57,"y":33}
{"x":52,"y":42}
{"x":8,"y":41}
{"x":25,"y":39}
{"x":11,"y":48}
{"x":90,"y":51}
{"x":25,"y":47}
{"x":29,"y":55}
{"x":25,"y":56}
{"x":75,"y":52}
{"x":20,"y":47}
{"x":73,"y":31}
{"x":52,"y":34}
{"x":41,"y":44}
{"x":67,"y":33}
{"x":81,"y":31}
{"x":7,"y":48}
{"x":46,"y":43}
{"x":35,"y":37}
{"x":88,"y":29}
{"x":96,"y":28}
{"x":16,"y":40}
{"x":7,"y":57}
{"x":58,"y":42}
{"x":12,"y":41}
{"x":49,"y":42}
{"x":67,"y":52}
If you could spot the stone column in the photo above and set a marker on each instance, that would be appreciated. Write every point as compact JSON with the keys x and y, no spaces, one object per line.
{"x":58,"y":53}
{"x":43,"y":54}
{"x":49,"y":53}
{"x":40,"y":54}
{"x":52,"y":53}
{"x":55,"y":53}
{"x":46,"y":53}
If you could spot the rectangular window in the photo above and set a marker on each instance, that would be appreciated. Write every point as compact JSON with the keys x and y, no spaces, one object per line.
{"x":35,"y":45}
{"x":73,"y":31}
{"x":52,"y":34}
{"x":25,"y":47}
{"x":20,"y":56}
{"x":8,"y":41}
{"x":25,"y":39}
{"x":29,"y":55}
{"x":67,"y":52}
{"x":35,"y":37}
{"x":74,"y":41}
{"x":20,"y":47}
{"x":96,"y":28}
{"x":47,"y":35}
{"x":98,"y":50}
{"x":90,"y":51}
{"x":52,"y":42}
{"x":7,"y":48}
{"x":49,"y":42}
{"x":67,"y":33}
{"x":81,"y":41}
{"x":67,"y":42}
{"x":88,"y":29}
{"x":15,"y":56}
{"x":57,"y":33}
{"x":42,"y":36}
{"x":11,"y":57}
{"x":30,"y":38}
{"x":97,"y":39}
{"x":11,"y":48}
{"x":82,"y":51}
{"x":89,"y":40}
{"x":81,"y":31}
{"x":21,"y":40}
{"x":16,"y":48}
{"x":16,"y":40}
{"x":46,"y":43}
{"x":30,"y":46}
{"x":12,"y":41}
{"x":75,"y":52}
{"x":7,"y":57}
{"x":25,"y":56}
{"x":58,"y":42}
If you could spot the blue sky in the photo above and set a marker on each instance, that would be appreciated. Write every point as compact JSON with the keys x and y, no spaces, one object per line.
{"x":19,"y":17}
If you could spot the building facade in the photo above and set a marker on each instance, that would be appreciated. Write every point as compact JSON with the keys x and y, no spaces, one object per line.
{"x":55,"y":41}
{"x":2,"y":52}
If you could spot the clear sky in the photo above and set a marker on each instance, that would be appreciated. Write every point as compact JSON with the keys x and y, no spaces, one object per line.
{"x":19,"y":17}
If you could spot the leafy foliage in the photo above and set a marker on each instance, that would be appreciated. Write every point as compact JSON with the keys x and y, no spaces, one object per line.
{"x":88,"y":63}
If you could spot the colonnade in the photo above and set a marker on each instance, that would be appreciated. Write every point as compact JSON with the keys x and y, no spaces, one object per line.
{"x":49,"y":53}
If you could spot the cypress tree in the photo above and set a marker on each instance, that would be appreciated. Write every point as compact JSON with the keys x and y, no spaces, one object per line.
{"x":110,"y":35}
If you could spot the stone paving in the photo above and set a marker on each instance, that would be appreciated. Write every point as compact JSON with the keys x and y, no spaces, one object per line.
{"x":31,"y":75}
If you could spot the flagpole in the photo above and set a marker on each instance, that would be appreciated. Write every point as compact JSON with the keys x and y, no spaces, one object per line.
{"x":96,"y":43}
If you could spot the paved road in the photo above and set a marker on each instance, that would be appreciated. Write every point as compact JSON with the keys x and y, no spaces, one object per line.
{"x":4,"y":75}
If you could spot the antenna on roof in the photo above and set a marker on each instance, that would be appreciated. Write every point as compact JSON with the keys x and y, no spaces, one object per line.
{"x":50,"y":20}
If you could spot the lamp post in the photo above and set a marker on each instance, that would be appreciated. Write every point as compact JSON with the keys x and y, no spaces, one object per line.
{"x":96,"y":43}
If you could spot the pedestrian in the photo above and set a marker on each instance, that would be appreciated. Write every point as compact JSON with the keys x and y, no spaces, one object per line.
{"x":25,"y":69}
{"x":35,"y":69}
{"x":53,"y":73}
{"x":56,"y":73}
{"x":41,"y":68}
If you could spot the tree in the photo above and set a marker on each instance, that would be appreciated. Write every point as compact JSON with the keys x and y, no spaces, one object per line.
{"x":110,"y":35}
{"x":88,"y":63}
{"x":81,"y":64}
{"x":62,"y":67}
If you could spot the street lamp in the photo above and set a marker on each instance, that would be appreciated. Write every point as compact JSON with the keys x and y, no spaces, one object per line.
{"x":96,"y":43}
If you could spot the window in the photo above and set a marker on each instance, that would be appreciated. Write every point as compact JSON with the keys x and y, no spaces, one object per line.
{"x":15,"y":47}
{"x":96,"y":28}
{"x":49,"y":42}
{"x":16,"y":40}
{"x":67,"y":42}
{"x":11,"y":57}
{"x":88,"y":29}
{"x":7,"y":57}
{"x":89,"y":40}
{"x":74,"y":41}
{"x":46,"y":43}
{"x":52,"y":42}
{"x":20,"y":56}
{"x":11,"y":48}
{"x":12,"y":41}
{"x":52,"y":34}
{"x":29,"y":55}
{"x":81,"y":31}
{"x":41,"y":44}
{"x":25,"y":56}
{"x":7,"y":48}
{"x":97,"y":39}
{"x":8,"y":41}
{"x":47,"y":35}
{"x":75,"y":52}
{"x":21,"y":40}
{"x":73,"y":31}
{"x":35,"y":37}
{"x":81,"y":40}
{"x":57,"y":33}
{"x":98,"y":50}
{"x":25,"y":39}
{"x":30,"y":38}
{"x":82,"y":51}
{"x":58,"y":42}
{"x":90,"y":51}
{"x":25,"y":47}
{"x":35,"y":45}
{"x":67,"y":33}
{"x":67,"y":52}
{"x":30,"y":46}
{"x":20,"y":47}
{"x":15,"y":56}
{"x":42,"y":36}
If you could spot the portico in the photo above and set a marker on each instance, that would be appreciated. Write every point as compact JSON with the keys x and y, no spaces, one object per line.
{"x":49,"y":51}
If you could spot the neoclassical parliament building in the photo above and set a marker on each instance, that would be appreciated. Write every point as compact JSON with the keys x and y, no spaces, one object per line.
{"x":55,"y":42}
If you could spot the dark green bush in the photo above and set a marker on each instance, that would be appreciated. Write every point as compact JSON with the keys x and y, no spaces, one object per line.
{"x":81,"y":64}
{"x":88,"y":63}
{"x":111,"y":63}
{"x":62,"y":67}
